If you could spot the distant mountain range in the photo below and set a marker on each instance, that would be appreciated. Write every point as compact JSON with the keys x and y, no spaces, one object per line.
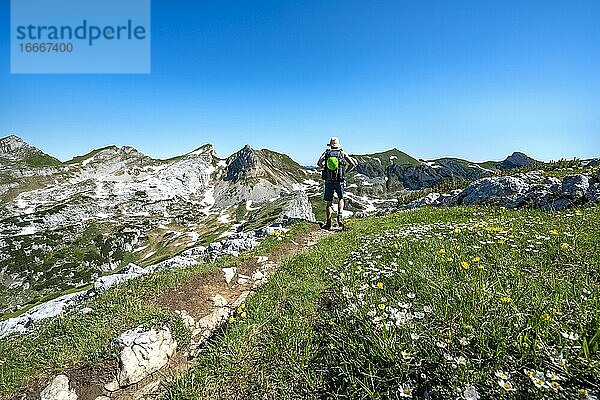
{"x":63,"y":224}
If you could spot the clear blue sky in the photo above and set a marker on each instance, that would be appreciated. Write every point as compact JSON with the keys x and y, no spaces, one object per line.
{"x":473,"y":79}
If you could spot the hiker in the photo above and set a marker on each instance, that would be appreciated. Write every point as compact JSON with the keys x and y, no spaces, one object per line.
{"x":336,"y":164}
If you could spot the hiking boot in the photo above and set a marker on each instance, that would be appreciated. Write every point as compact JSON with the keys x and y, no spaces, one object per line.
{"x":327,"y":225}
{"x":340,"y":221}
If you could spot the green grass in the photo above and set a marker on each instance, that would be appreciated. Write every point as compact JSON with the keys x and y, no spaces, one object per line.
{"x":401,"y":158}
{"x":90,"y":154}
{"x":42,"y":160}
{"x":382,"y":309}
{"x":74,"y":339}
{"x":263,"y":216}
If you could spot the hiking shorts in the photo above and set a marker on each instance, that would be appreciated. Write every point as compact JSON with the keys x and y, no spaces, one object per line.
{"x":330,"y":187}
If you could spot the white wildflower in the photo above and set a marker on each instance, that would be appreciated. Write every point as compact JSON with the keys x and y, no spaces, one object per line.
{"x":570,"y":335}
{"x":501,"y":374}
{"x":506,"y":385}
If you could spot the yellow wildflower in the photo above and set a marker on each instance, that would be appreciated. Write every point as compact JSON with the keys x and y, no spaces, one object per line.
{"x":379,"y":285}
{"x":442,"y":251}
{"x":464,"y":264}
{"x":546,"y":317}
{"x":505,"y":299}
{"x":565,"y":246}
{"x":476,"y":259}
{"x":553,"y":232}
{"x":381,"y":306}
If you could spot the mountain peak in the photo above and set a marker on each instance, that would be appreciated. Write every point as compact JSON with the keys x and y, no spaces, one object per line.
{"x":14,"y":149}
{"x":517,"y":160}
{"x":11,"y":144}
{"x":241,"y":164}
{"x":204,"y":149}
{"x":12,"y":137}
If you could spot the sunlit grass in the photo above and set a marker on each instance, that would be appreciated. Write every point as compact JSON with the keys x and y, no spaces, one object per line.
{"x":450,"y":303}
{"x":492,"y":303}
{"x":76,"y":339}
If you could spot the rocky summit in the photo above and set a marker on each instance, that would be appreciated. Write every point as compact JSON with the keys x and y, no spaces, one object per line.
{"x":66,"y":225}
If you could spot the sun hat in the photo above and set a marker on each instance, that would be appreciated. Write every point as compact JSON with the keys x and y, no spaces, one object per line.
{"x":334,"y":143}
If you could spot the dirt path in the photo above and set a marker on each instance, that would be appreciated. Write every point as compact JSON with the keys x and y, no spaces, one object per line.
{"x":196,"y":299}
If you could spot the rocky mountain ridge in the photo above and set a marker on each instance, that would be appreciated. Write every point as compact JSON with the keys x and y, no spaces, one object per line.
{"x":64,"y":225}
{"x":531,"y":189}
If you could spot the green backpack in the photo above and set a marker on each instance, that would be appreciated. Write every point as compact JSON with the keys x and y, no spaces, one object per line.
{"x":335,"y":166}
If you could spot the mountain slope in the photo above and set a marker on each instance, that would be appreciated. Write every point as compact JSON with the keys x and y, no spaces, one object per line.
{"x":393,"y":170}
{"x":14,"y":150}
{"x":63,"y":226}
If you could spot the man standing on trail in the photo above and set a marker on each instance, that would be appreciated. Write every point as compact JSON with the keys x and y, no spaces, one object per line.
{"x":336,"y":164}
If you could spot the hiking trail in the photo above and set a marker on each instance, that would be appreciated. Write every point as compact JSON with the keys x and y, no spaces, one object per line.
{"x":205,"y":303}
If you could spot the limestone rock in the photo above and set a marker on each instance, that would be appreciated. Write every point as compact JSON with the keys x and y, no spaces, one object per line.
{"x":575,"y":186}
{"x":257,"y":275}
{"x":236,"y":245}
{"x":195,"y":251}
{"x":214,"y":319}
{"x":229,"y":274}
{"x":428,"y":200}
{"x":58,"y":389}
{"x":143,"y":353}
{"x":219,"y":301}
{"x":187,"y":319}
{"x":49,"y":309}
{"x":495,"y":190}
{"x":112,"y":386}
{"x":594,"y":193}
{"x":271,"y":230}
{"x":106,"y":282}
{"x":132,"y":268}
{"x":298,"y":209}
{"x":532,"y":189}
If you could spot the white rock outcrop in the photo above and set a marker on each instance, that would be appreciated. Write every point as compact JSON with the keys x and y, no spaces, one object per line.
{"x":58,"y":389}
{"x":229,"y":274}
{"x":143,"y":352}
{"x":532,"y":189}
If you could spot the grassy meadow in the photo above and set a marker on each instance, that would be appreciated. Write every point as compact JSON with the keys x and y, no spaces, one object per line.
{"x":74,"y":339}
{"x":471,"y":303}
